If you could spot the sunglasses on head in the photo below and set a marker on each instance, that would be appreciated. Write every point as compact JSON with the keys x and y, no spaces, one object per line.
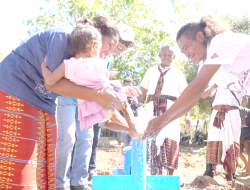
{"x":126,"y":43}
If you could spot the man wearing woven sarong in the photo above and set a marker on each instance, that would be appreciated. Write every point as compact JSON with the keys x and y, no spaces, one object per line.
{"x":224,"y":130}
{"x":162,"y":84}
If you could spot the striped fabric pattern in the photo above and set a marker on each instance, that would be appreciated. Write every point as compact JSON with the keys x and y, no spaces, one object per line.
{"x":28,"y":137}
{"x":214,"y":153}
{"x":169,"y":155}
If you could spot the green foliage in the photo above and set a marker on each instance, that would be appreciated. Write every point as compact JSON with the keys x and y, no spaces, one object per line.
{"x":204,"y":107}
{"x":239,"y":25}
{"x":150,"y":34}
{"x":149,"y":30}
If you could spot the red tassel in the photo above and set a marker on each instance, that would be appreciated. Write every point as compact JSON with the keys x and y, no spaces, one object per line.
{"x":217,"y":123}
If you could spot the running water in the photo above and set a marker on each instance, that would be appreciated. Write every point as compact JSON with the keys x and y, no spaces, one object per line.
{"x":138,"y":167}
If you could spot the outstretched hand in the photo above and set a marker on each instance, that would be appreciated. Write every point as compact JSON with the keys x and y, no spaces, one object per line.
{"x":132,"y":91}
{"x":107,"y":98}
{"x":113,"y":73}
{"x":134,"y":133}
{"x":153,"y":129}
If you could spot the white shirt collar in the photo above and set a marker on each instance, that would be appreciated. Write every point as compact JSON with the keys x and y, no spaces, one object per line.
{"x":164,"y":69}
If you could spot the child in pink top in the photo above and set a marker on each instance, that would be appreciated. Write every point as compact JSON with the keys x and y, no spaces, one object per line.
{"x":86,"y":69}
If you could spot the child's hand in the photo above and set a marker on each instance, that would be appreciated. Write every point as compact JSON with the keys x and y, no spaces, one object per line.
{"x":121,"y":105}
{"x":132,"y":91}
{"x":135,"y":101}
{"x":113,"y":73}
{"x":214,"y":86}
{"x":43,"y":65}
{"x":133,"y":132}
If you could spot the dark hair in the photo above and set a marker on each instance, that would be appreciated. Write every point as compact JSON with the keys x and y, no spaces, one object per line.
{"x":127,"y":79}
{"x":82,"y":36}
{"x":208,"y":25}
{"x":108,"y":28}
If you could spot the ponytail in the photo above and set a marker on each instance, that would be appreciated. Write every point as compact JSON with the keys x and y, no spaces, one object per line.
{"x":81,"y":22}
{"x":213,"y":27}
{"x":208,"y":25}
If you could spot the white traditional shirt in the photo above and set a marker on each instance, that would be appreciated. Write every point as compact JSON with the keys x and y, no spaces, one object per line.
{"x":174,"y":81}
{"x":232,"y":52}
{"x":174,"y":84}
{"x":225,"y":97}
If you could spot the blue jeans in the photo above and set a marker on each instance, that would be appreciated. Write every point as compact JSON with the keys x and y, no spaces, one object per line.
{"x":73,"y":145}
{"x":97,"y":132}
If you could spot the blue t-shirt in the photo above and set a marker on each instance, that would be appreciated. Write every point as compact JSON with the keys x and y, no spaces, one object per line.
{"x":21,"y":74}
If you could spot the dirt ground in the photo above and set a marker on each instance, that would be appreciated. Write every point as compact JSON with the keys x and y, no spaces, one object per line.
{"x":191,"y":165}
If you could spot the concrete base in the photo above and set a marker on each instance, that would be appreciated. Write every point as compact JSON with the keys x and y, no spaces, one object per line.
{"x":124,"y":182}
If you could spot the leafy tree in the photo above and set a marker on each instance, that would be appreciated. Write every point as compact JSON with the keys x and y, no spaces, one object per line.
{"x":239,"y":25}
{"x":149,"y":30}
{"x":150,"y":33}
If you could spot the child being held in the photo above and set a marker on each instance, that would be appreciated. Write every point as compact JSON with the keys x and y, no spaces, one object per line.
{"x":86,"y":69}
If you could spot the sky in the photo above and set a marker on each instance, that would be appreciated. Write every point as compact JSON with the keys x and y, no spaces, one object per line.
{"x":13,"y":12}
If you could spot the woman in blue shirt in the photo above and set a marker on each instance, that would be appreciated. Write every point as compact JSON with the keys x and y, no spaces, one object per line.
{"x":27,"y":106}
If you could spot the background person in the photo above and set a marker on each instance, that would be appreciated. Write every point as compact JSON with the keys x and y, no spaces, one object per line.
{"x":163,"y":84}
{"x":245,"y":135}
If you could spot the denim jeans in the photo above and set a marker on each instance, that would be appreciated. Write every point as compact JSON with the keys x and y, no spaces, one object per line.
{"x":73,"y":145}
{"x":97,"y":132}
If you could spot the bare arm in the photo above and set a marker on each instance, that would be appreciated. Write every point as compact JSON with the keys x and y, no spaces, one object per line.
{"x":51,"y":77}
{"x":117,"y":123}
{"x":185,"y":102}
{"x":129,"y":116}
{"x":114,"y":126}
{"x":208,"y":91}
{"x":105,"y":97}
{"x":117,"y":117}
{"x":142,"y":96}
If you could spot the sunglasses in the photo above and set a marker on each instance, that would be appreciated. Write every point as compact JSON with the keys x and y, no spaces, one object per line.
{"x":126,"y":43}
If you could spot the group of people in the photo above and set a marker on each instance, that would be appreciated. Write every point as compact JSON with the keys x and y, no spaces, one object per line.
{"x":42,"y":151}
{"x":47,"y":139}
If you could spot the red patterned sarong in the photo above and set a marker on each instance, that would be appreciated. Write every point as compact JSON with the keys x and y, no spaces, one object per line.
{"x":28,"y":137}
{"x":214,"y":153}
{"x":169,"y":155}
